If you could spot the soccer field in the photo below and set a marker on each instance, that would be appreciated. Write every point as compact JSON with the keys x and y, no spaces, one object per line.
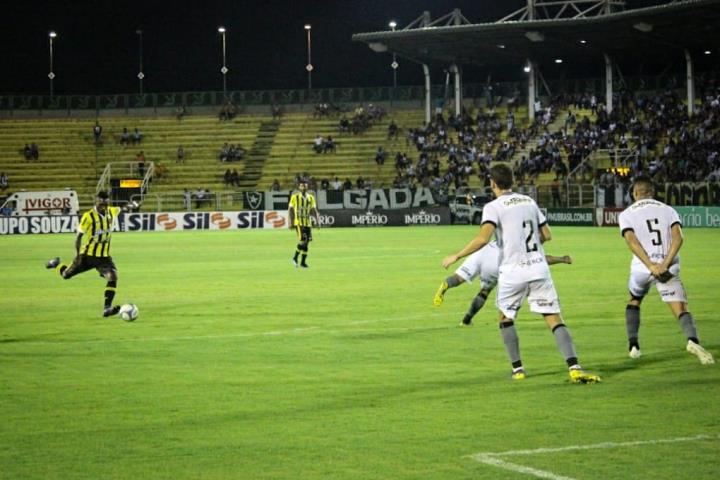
{"x":241,"y":366}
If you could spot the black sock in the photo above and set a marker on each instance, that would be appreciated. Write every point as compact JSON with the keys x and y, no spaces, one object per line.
{"x":452,"y":281}
{"x":109,"y":293}
{"x":303,"y":257}
{"x":632,"y":325}
{"x":476,"y":305}
{"x":687,"y":323}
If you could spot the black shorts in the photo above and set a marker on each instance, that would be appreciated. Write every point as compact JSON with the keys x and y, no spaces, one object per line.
{"x":304,"y":233}
{"x":83,"y":263}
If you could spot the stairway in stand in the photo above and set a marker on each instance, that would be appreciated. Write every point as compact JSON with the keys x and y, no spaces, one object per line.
{"x":255,"y":160}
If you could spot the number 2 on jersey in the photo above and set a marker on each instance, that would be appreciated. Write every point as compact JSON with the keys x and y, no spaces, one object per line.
{"x":530,"y":244}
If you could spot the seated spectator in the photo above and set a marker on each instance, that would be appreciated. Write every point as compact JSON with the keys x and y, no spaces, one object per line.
{"x":393,"y":130}
{"x":235,"y":178}
{"x":275,"y":187}
{"x":319,"y":144}
{"x":180,"y":112}
{"x":97,"y":132}
{"x":34,"y":151}
{"x":180,"y":154}
{"x":329,"y":145}
{"x":27,"y":153}
{"x":336,"y":184}
{"x":124,"y":137}
{"x":227,"y":177}
{"x":360,"y":183}
{"x":202,"y":196}
{"x":227,"y":111}
{"x":344,"y":125}
{"x":225,"y":153}
{"x":3,"y":182}
{"x":160,"y":171}
{"x":380,"y":156}
{"x":237,"y":152}
{"x":137,"y":137}
{"x":324,"y":184}
{"x":347,"y":184}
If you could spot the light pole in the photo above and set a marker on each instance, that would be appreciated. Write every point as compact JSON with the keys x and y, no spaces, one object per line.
{"x":224,"y":68}
{"x":51,"y":75}
{"x":309,"y":66}
{"x":394,"y":64}
{"x":140,"y":74}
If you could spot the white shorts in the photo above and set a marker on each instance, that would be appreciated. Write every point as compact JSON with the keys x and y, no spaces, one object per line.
{"x":483,"y":264}
{"x":670,"y":291}
{"x":541,"y":294}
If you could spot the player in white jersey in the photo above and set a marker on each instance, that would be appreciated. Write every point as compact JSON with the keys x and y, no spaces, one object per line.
{"x":485,"y":264}
{"x":653,"y":233}
{"x":520,"y":229}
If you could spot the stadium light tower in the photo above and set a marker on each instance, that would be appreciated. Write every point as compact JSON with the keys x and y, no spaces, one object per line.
{"x":140,"y":74}
{"x":309,"y":67}
{"x":52,"y":35}
{"x":221,"y":30}
{"x":394,"y":63}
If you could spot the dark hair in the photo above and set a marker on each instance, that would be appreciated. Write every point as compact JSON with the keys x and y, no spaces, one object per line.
{"x":102,"y":194}
{"x":644,"y":182}
{"x":502,"y":175}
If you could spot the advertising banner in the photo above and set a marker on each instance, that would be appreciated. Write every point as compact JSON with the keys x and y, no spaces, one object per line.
{"x":243,"y":220}
{"x":607,"y":217}
{"x":699,"y":216}
{"x":385,"y":218}
{"x":151,"y":222}
{"x":571,"y":216}
{"x":385,"y":199}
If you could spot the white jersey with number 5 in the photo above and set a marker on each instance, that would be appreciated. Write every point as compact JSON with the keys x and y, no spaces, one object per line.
{"x":517,"y":220}
{"x":651,"y":221}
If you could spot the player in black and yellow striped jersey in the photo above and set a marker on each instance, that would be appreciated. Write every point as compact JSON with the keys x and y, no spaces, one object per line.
{"x":301,"y":210}
{"x":92,"y":247}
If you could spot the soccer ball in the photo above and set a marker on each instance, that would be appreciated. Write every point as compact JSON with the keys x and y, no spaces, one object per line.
{"x":129,"y":312}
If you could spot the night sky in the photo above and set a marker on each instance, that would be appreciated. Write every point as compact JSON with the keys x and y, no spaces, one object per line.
{"x":97,"y":48}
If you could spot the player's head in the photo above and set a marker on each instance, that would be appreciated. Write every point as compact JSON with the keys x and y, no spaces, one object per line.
{"x":302,"y":185}
{"x":502,"y":176}
{"x":643,"y":187}
{"x":101,"y":200}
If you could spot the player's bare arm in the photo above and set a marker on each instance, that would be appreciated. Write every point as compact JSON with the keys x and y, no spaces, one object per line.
{"x":78,"y":242}
{"x":545,"y":234}
{"x":291,"y":218}
{"x":553,"y":260}
{"x":676,"y":241}
{"x":483,"y":238}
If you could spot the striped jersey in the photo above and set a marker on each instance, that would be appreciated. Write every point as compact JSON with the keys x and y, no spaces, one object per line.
{"x":302,"y":205}
{"x":96,"y":229}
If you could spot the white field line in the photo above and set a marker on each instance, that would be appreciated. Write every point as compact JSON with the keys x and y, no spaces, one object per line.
{"x":493,"y":458}
{"x":334,"y":329}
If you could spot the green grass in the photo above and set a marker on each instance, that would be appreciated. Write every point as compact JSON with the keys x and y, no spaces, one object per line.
{"x":241,"y":366}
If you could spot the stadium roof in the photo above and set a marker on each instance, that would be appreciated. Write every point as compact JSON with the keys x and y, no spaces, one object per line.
{"x":645,"y":34}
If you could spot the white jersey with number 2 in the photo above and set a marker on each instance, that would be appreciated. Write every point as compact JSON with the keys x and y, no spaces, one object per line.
{"x":517,"y":220}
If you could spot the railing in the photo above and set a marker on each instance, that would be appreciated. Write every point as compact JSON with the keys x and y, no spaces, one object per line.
{"x":355,"y":95}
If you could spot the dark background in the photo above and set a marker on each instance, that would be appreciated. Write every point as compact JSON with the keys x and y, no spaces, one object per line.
{"x":97,"y":50}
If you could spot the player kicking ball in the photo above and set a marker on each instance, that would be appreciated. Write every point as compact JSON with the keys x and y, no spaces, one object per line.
{"x":92,"y":248}
{"x":484,"y":264}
